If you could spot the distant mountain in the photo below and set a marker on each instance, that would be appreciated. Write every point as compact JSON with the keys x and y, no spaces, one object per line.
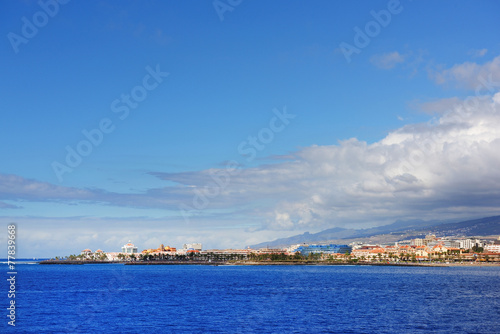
{"x":474,"y":227}
{"x":483,"y":226}
{"x":332,"y":233}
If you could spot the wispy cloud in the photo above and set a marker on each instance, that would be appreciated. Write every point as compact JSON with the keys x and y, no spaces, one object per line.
{"x":470,"y":75}
{"x":440,"y":106}
{"x":478,"y":53}
{"x":14,"y":187}
{"x":386,"y":61}
{"x":4,"y":205}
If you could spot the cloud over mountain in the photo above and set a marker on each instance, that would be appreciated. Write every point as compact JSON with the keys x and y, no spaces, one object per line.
{"x":444,"y":167}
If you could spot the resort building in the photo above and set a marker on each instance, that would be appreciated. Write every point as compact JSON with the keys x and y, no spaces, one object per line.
{"x":392,"y":250}
{"x":194,"y":246}
{"x":325,"y":249}
{"x":129,"y":248}
{"x":418,"y":242}
{"x":368,"y":252}
{"x":113,"y":256}
{"x":167,"y":250}
{"x":422,"y":251}
{"x":450,"y":243}
{"x":439,"y":249}
{"x":269,"y":251}
{"x":86,"y":252}
{"x":469,"y":243}
{"x":429,"y":238}
{"x":292,"y":249}
{"x":493,"y":248}
{"x":228,"y":251}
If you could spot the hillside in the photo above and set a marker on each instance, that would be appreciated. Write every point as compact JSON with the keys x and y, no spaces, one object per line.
{"x":393,"y":232}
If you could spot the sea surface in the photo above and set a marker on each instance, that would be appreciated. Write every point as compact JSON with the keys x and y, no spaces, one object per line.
{"x":114,"y":298}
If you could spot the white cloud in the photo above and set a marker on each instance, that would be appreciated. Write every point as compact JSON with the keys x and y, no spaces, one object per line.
{"x":387,"y":61}
{"x":440,"y":106}
{"x":478,"y":53}
{"x":445,"y":168}
{"x":470,"y":75}
{"x":440,"y":168}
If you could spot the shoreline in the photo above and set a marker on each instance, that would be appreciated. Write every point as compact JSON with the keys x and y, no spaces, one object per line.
{"x":271,"y":263}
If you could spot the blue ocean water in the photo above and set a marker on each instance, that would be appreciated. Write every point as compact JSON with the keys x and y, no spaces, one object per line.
{"x":114,"y":298}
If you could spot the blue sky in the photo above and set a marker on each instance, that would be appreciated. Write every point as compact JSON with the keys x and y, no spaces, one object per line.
{"x":335,"y":161}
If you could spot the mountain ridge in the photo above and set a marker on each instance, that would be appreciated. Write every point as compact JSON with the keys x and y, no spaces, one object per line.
{"x":416,"y":227}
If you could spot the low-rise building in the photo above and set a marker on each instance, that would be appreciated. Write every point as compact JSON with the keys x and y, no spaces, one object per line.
{"x":113,"y":256}
{"x":86,"y":252}
{"x":370,"y":252}
{"x":392,"y":250}
{"x":422,"y":251}
{"x":439,"y":249}
{"x":493,"y":248}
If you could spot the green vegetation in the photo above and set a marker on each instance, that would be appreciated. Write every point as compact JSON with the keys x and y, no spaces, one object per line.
{"x":477,"y":249}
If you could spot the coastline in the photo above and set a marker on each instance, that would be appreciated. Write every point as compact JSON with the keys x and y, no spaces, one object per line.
{"x":272,"y":263}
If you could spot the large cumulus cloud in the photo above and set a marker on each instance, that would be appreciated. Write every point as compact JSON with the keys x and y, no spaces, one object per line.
{"x":445,"y":167}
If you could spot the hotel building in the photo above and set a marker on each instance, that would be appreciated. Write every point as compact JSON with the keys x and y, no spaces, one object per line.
{"x":129,"y":248}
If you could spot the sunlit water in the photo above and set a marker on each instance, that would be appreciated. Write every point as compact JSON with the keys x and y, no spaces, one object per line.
{"x":247,"y":299}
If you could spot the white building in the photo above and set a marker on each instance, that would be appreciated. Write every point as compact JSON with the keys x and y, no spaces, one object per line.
{"x":292,"y":249}
{"x":469,"y":243}
{"x":129,"y":248}
{"x":113,"y":256}
{"x":194,"y":246}
{"x":417,"y":242}
{"x":86,"y":252}
{"x":451,"y":243}
{"x":493,"y":248}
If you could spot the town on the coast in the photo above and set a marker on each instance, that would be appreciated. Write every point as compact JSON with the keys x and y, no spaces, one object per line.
{"x":430,"y":249}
